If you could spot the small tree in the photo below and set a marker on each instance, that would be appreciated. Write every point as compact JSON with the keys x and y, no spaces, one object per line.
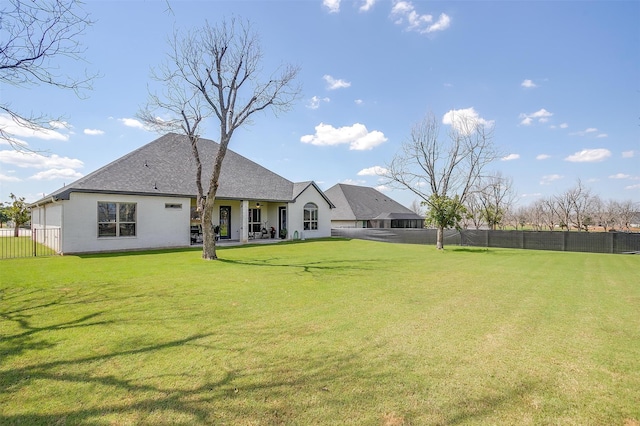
{"x":18,"y":212}
{"x":444,"y":212}
{"x":4,"y":214}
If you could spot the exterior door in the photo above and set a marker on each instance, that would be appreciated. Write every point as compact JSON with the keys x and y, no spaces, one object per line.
{"x":282,"y":219}
{"x":225,"y":222}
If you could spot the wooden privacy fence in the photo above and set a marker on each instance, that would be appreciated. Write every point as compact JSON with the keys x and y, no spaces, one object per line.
{"x":29,"y":243}
{"x":594,"y":242}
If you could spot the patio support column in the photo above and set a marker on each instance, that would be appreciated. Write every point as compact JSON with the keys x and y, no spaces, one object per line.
{"x":244,"y":228}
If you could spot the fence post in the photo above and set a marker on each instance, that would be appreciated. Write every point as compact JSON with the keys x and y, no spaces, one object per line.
{"x":34,"y":239}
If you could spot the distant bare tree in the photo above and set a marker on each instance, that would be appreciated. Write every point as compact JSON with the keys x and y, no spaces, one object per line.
{"x":34,"y":35}
{"x":416,"y":207}
{"x":474,"y":210}
{"x":625,"y":212}
{"x":580,"y":198}
{"x":495,"y":194}
{"x":536,"y":215}
{"x":442,"y":172}
{"x":517,"y":216}
{"x":550,"y":213}
{"x":220,"y":66}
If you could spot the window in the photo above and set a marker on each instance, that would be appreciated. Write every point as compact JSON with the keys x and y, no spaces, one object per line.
{"x":172,"y":206}
{"x":310,"y":220}
{"x":116,"y":219}
{"x":254,"y":220}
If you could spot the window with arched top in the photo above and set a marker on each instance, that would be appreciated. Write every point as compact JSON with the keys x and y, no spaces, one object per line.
{"x":310,"y":219}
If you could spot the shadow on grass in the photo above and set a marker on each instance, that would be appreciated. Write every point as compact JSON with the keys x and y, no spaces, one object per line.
{"x":199,"y":248}
{"x":335,"y":266}
{"x":462,"y":249}
{"x":248,"y":392}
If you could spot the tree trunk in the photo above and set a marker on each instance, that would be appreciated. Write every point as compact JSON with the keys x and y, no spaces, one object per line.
{"x":440,"y":238}
{"x":208,"y":236}
{"x":16,"y":230}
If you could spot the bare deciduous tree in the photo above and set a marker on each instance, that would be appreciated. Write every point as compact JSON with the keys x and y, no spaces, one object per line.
{"x":416,"y":207}
{"x":625,"y":212}
{"x":442,"y":172}
{"x":34,"y":35}
{"x":220,"y":66}
{"x":183,"y":111}
{"x":495,"y":195}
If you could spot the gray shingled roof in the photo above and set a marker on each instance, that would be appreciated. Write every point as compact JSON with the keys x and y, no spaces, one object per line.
{"x":354,"y":202}
{"x":166,"y":167}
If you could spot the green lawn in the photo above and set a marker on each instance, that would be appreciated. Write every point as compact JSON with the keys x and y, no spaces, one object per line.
{"x":328,"y":332}
{"x":12,"y":247}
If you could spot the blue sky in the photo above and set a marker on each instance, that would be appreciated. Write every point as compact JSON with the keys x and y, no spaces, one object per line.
{"x":559,"y":81}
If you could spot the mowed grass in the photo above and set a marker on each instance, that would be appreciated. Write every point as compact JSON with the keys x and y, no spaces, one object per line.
{"x":327,"y":332}
{"x":12,"y":247}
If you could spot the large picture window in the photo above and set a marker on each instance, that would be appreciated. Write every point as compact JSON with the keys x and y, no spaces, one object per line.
{"x":310,"y":221}
{"x":116,"y":219}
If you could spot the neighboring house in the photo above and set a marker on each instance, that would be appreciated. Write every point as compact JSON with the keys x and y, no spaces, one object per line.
{"x":363,"y":207}
{"x":147,"y":199}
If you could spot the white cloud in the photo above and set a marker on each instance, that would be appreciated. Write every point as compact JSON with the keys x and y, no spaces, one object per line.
{"x":53,"y":174}
{"x":465,"y":120}
{"x":358,"y":101}
{"x":93,"y":132}
{"x":367,"y":5}
{"x":5,"y":178}
{"x":529,"y":84}
{"x":20,"y":128}
{"x":332,"y":5}
{"x":628,"y":154}
{"x":588,"y":131}
{"x":314,"y":102}
{"x":547,"y":179}
{"x":333,"y":84}
{"x":620,"y":176}
{"x":383,"y":188}
{"x":373,"y":171}
{"x":404,"y":13}
{"x":442,"y":24}
{"x":541,"y":115}
{"x":564,"y":125}
{"x":37,"y":161}
{"x":543,"y":157}
{"x":60,"y":124}
{"x":589,"y":156}
{"x":510,"y":157}
{"x":636,"y":186}
{"x":602,"y":135}
{"x":132,"y":122}
{"x":357,"y":136}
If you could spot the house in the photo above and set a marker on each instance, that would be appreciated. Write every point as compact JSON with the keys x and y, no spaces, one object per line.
{"x":364,"y":207}
{"x":147,"y":200}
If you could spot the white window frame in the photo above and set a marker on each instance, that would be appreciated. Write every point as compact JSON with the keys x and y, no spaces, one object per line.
{"x":310,"y":217}
{"x":113,"y":220}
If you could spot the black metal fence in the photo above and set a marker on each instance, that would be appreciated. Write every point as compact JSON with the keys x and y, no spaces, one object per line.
{"x":594,"y":242}
{"x":29,"y":243}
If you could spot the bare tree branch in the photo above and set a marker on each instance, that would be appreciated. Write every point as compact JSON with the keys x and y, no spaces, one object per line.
{"x":441,"y":170}
{"x":217,"y":71}
{"x":35,"y":35}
